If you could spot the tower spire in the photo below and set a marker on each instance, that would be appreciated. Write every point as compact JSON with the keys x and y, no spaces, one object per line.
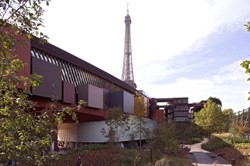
{"x":127,"y":70}
{"x":127,"y":9}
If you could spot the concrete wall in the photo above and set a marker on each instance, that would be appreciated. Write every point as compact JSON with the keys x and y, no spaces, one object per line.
{"x":91,"y":132}
{"x":67,"y":132}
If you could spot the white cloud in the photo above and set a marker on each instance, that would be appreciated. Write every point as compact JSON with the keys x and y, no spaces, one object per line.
{"x":229,"y":84}
{"x":230,"y":73}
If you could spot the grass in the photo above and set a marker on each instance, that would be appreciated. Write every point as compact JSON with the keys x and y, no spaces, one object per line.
{"x":225,"y":140}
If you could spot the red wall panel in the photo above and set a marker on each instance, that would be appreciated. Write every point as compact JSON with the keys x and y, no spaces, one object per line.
{"x":68,"y":92}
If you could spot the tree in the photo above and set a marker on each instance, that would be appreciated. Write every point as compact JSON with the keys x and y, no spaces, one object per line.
{"x":248,"y":26}
{"x":245,"y":64}
{"x":242,"y":123}
{"x":229,"y":116}
{"x":215,"y":100}
{"x":26,"y":135}
{"x":117,"y":122}
{"x":139,"y":125}
{"x":164,"y":138}
{"x":210,"y":118}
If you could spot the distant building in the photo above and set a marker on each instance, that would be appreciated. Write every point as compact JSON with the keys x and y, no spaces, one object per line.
{"x":176,"y":109}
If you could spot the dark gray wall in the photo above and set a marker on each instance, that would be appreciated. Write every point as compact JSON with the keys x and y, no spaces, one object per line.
{"x":122,"y":99}
{"x":51,"y":85}
{"x":116,"y":99}
{"x":105,"y":98}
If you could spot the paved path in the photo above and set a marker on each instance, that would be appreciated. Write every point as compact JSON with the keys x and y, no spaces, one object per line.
{"x":200,"y":157}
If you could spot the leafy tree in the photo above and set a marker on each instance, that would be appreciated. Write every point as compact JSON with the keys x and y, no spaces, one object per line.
{"x":210,"y":118}
{"x":248,"y":26}
{"x":164,"y":138}
{"x":239,"y":125}
{"x":245,"y":64}
{"x":242,"y":122}
{"x":139,"y":125}
{"x":234,"y":128}
{"x":117,"y":122}
{"x":229,"y":115}
{"x":140,"y":108}
{"x":26,"y":134}
{"x":184,"y":132}
{"x":215,"y":100}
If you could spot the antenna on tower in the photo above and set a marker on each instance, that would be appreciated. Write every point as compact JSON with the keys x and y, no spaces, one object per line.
{"x":127,"y":9}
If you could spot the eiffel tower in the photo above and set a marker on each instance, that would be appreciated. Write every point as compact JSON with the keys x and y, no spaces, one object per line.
{"x":127,"y":70}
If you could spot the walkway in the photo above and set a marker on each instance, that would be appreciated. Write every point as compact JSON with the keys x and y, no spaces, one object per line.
{"x":200,"y":157}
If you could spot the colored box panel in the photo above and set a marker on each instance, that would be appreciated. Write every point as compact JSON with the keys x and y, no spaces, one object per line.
{"x":105,"y":98}
{"x":116,"y":99}
{"x":128,"y":103}
{"x":122,"y":99}
{"x":51,"y":85}
{"x":83,"y":92}
{"x":92,"y":95}
{"x":68,"y":92}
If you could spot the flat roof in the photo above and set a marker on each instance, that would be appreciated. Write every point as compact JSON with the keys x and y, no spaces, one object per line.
{"x":70,"y":58}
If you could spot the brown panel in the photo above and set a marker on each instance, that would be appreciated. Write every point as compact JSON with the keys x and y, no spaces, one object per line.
{"x":68,"y":92}
{"x":23,"y":52}
{"x":51,"y":86}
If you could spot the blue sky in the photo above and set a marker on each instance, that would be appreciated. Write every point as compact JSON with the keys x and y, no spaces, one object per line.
{"x":180,"y":48}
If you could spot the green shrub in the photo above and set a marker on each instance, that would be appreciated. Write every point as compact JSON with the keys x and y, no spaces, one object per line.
{"x":173,"y":161}
{"x":135,"y":157}
{"x":85,"y":147}
{"x":196,"y":140}
{"x":179,"y":161}
{"x":245,"y":164}
{"x":242,"y":145}
{"x":241,"y":140}
{"x":127,"y":158}
{"x":215,"y":143}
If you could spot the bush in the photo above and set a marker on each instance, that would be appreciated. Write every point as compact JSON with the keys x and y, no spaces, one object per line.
{"x":165,"y":138}
{"x":242,"y":145}
{"x":173,"y":161}
{"x":241,"y":140}
{"x":246,"y":164}
{"x":196,"y":140}
{"x":135,"y":157}
{"x":85,"y":147}
{"x":215,"y":143}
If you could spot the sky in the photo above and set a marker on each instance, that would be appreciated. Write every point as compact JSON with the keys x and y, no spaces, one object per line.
{"x":180,"y":48}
